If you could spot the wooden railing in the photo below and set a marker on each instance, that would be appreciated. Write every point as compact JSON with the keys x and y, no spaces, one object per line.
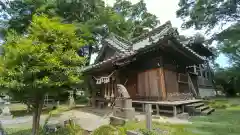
{"x":204,"y":82}
{"x":182,"y":78}
{"x":191,"y":86}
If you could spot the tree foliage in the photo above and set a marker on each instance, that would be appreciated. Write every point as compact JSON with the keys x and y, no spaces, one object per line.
{"x":210,"y":15}
{"x":229,"y":80}
{"x":92,"y":17}
{"x":123,"y":18}
{"x":43,"y":61}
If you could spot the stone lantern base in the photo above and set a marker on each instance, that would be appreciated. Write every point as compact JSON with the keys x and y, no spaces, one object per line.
{"x":122,"y":112}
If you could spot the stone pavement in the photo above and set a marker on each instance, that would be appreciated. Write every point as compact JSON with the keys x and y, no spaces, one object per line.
{"x":87,"y":120}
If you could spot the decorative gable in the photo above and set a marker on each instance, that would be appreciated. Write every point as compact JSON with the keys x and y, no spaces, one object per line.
{"x":113,"y":45}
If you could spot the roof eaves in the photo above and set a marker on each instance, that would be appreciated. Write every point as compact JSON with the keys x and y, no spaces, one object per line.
{"x":116,"y":57}
{"x":196,"y":54}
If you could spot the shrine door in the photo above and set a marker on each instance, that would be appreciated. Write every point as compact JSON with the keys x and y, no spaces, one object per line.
{"x":149,"y":84}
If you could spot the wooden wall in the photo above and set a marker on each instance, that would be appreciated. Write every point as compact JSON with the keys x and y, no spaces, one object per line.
{"x":131,"y":85}
{"x":171,"y":81}
{"x":149,"y":85}
{"x":183,"y":87}
{"x":154,"y":76}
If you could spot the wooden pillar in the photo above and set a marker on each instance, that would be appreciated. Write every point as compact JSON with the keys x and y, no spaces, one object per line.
{"x":112,"y":88}
{"x":182,"y":108}
{"x":109,"y":89}
{"x":105,"y":90}
{"x":115,"y":88}
{"x":143,"y":107}
{"x":162,"y":82}
{"x":174,"y":111}
{"x":200,"y":68}
{"x":195,"y":69}
{"x":157,"y":107}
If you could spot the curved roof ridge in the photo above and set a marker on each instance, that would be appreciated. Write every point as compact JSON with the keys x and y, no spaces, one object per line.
{"x":152,"y":32}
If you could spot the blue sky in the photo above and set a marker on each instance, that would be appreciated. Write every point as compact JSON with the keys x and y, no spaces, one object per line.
{"x":166,"y":10}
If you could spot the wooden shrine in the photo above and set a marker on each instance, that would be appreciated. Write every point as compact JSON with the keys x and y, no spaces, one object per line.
{"x":154,"y":67}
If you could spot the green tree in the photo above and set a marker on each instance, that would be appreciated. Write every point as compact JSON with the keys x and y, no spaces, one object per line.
{"x":209,"y":15}
{"x":138,"y":15}
{"x":93,"y":12}
{"x":43,"y":61}
{"x":92,"y":18}
{"x":228,"y":79}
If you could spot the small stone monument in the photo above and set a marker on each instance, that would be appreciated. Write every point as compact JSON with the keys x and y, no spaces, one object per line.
{"x":71,"y":99}
{"x":4,"y":109}
{"x":123,"y":109}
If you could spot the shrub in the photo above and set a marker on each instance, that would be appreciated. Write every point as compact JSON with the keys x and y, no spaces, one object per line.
{"x":107,"y":130}
{"x":82,"y":100}
{"x":147,"y":132}
{"x":70,"y":129}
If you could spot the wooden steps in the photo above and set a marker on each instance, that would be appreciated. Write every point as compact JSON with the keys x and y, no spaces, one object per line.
{"x":175,"y":108}
{"x":198,"y":109}
{"x":208,"y":111}
{"x":202,"y":108}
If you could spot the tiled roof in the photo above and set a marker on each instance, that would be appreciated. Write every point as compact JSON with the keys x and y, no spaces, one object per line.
{"x":109,"y":60}
{"x":118,"y":43}
{"x":153,"y":32}
{"x":126,"y":48}
{"x":154,"y":36}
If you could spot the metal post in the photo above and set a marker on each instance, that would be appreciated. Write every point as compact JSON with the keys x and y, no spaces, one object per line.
{"x":149,"y":116}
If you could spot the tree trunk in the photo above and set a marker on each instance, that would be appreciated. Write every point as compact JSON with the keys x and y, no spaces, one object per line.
{"x":75,"y":94}
{"x":36,"y":117}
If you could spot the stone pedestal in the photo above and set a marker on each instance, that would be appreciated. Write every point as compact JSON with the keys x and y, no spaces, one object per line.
{"x":126,"y":113}
{"x":122,"y":112}
{"x":6,"y":114}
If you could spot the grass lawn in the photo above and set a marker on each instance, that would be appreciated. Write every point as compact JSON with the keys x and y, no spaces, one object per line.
{"x":19,"y":109}
{"x":221,"y":122}
{"x":224,"y":121}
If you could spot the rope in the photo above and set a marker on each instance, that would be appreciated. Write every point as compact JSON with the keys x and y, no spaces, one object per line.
{"x":105,"y":79}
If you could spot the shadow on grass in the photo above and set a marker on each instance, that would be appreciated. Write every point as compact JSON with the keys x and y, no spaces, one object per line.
{"x":13,"y":131}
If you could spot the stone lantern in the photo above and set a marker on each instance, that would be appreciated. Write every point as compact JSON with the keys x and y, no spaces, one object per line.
{"x":5,"y":111}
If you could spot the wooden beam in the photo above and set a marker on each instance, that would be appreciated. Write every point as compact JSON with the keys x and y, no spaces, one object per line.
{"x":162,"y":82}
